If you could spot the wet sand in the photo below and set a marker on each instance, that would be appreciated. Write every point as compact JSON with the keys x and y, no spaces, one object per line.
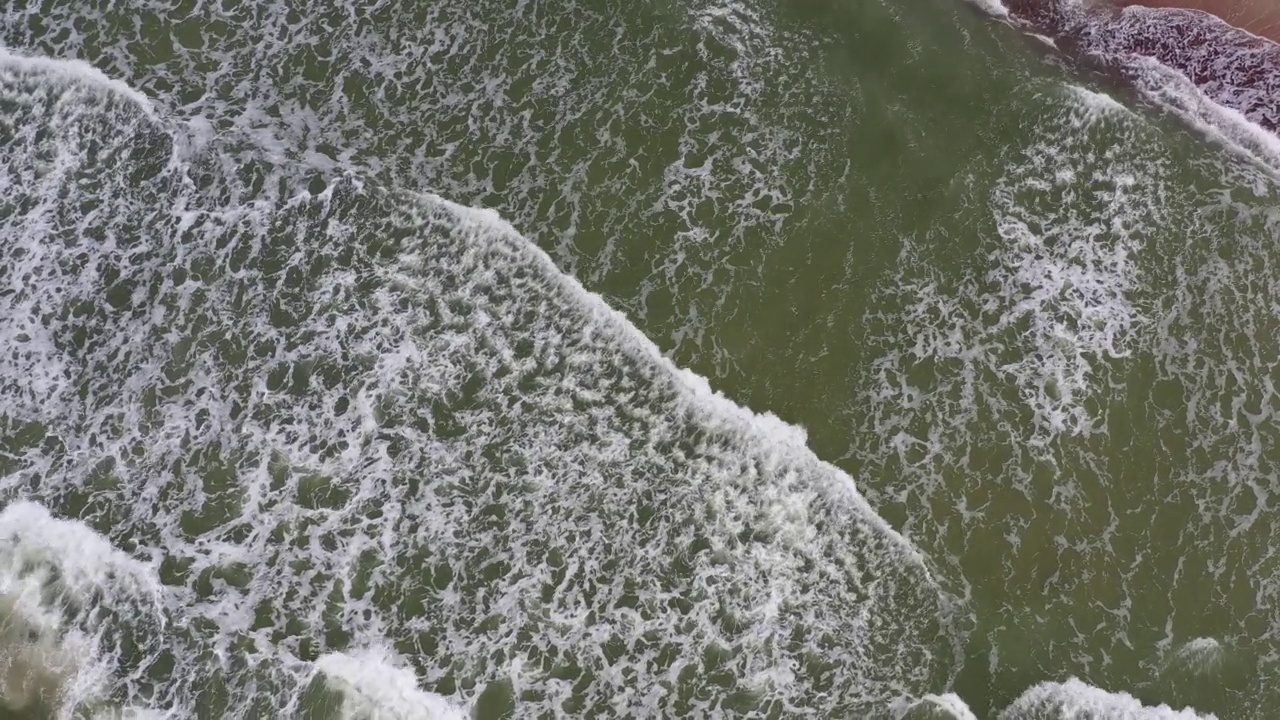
{"x":1260,"y":17}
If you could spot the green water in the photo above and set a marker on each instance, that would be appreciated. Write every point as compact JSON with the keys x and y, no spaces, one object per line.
{"x":1035,"y":325}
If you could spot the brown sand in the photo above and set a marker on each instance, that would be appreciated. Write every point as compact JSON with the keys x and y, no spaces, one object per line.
{"x":1260,"y":17}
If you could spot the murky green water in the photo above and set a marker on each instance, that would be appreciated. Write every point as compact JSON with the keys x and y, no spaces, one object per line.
{"x":322,"y":422}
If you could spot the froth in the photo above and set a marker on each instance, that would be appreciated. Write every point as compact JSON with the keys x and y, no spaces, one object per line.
{"x":993,"y":393}
{"x":59,"y":581}
{"x":1219,"y":122}
{"x":78,"y":71}
{"x":1219,"y":79}
{"x":948,"y":706}
{"x":1075,"y":700}
{"x":695,"y":157}
{"x":359,"y":417}
{"x":373,"y":687}
{"x":1053,"y":305}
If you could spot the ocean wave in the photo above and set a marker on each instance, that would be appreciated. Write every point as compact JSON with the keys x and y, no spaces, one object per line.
{"x":1076,"y":700}
{"x":341,"y":417}
{"x":1208,"y":61}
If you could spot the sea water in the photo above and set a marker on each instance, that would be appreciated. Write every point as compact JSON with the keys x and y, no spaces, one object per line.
{"x":378,"y":361}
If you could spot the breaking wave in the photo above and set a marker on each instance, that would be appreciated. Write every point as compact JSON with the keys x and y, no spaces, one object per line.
{"x":327,"y":419}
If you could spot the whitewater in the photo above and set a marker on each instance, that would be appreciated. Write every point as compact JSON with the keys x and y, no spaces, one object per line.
{"x":284,"y":432}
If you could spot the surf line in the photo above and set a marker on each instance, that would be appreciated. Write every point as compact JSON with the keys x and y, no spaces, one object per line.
{"x":1235,"y":66}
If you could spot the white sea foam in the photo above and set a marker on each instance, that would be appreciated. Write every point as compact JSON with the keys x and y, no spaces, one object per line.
{"x":1174,"y":92}
{"x":1131,"y":276}
{"x":375,"y":688}
{"x":1075,"y":700}
{"x":704,"y":130}
{"x":1054,"y":304}
{"x":994,"y":8}
{"x":318,"y":421}
{"x":81,"y":73}
{"x":362,"y":417}
{"x":766,"y":425}
{"x":1095,"y":103}
{"x":1198,"y":656}
{"x":53,"y":577}
{"x":947,"y":706}
{"x":999,"y":369}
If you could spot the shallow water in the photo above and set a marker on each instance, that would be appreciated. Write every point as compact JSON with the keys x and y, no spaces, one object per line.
{"x":291,"y":426}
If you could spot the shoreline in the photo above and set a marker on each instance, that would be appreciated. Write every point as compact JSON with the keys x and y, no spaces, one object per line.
{"x":1258,"y":17}
{"x":1231,"y":66}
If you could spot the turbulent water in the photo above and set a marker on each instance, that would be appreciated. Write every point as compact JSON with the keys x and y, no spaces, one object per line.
{"x":658,"y":359}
